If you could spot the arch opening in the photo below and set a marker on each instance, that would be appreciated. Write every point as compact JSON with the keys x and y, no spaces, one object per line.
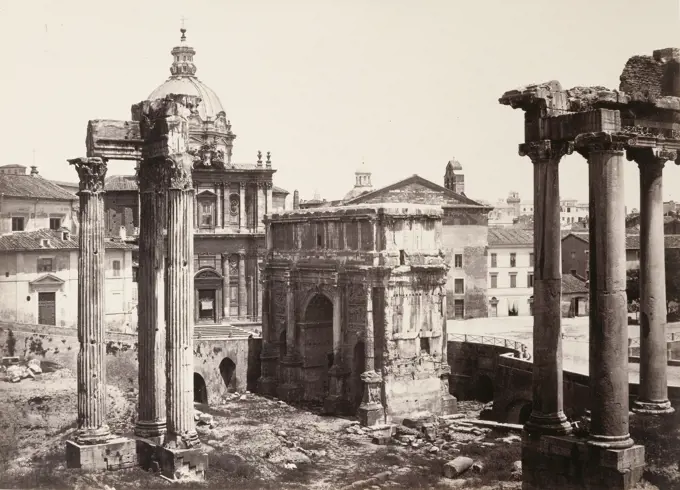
{"x":358,"y":367}
{"x":519,"y":412}
{"x":227,"y":370}
{"x":316,"y":340}
{"x":200,"y":390}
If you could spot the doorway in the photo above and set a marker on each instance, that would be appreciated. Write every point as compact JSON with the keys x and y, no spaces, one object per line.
{"x":206,"y":306}
{"x":47,"y":308}
{"x":200,"y":390}
{"x":318,"y":345}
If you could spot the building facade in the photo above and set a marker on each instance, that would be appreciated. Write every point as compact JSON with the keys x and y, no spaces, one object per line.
{"x":39,"y":280}
{"x":231,"y":200}
{"x":357,"y":310}
{"x":511,"y":272}
{"x":28,"y":202}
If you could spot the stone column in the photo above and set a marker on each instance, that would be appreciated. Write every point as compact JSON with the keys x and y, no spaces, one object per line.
{"x":269,"y":356}
{"x":226,"y":206}
{"x":258,"y":284}
{"x":242,"y":293}
{"x":653,"y":391}
{"x":371,"y":411}
{"x":225,"y":286}
{"x":242,"y":208}
{"x":449,"y":402}
{"x":92,"y":427}
{"x":336,"y":401}
{"x":547,"y":416}
{"x":261,"y":205}
{"x":180,"y":306}
{"x":151,"y":331}
{"x":608,"y":313}
{"x":269,"y":206}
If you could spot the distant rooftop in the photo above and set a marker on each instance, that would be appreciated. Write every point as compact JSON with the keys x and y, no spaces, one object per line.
{"x":35,"y":240}
{"x":32,"y":187}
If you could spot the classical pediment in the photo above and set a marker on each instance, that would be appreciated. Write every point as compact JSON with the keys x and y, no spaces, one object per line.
{"x":47,"y":281}
{"x":206,"y":193}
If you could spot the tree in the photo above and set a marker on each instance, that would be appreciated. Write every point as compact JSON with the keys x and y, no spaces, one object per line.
{"x":633,"y":285}
{"x":11,"y":343}
{"x":672,"y":259}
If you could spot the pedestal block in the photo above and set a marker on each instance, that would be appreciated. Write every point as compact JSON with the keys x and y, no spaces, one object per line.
{"x":291,"y":390}
{"x":337,"y":402}
{"x":449,"y":402}
{"x":267,"y":383}
{"x":174,"y":464}
{"x":371,"y":411}
{"x":568,"y":462}
{"x":115,"y":454}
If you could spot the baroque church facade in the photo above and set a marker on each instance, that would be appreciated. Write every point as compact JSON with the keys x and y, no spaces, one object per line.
{"x":231,"y":200}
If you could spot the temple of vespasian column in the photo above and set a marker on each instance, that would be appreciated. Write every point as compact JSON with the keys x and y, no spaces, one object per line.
{"x":642,"y":121}
{"x":157,"y":137}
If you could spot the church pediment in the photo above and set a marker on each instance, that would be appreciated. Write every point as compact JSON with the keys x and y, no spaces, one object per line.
{"x":206,"y":193}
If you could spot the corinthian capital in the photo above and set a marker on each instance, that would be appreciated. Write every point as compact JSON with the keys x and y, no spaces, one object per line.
{"x":91,"y":173}
{"x":587,"y":143}
{"x":651,"y":156}
{"x":179,"y":172}
{"x":540,"y":151}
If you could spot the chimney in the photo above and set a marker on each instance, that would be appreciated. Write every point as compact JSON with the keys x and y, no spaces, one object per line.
{"x":65,"y":235}
{"x":34,"y":170}
{"x":123,"y":233}
{"x":296,"y":200}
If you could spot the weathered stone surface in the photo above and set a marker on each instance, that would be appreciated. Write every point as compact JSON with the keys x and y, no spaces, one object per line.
{"x":652,"y":76}
{"x":457,"y":466}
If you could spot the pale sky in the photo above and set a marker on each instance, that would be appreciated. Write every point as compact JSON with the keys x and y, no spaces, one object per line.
{"x":402,"y":85}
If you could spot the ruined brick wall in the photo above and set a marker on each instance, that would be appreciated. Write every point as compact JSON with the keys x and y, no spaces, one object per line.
{"x":470,"y":241}
{"x":214,"y":361}
{"x":121,"y":209}
{"x":651,"y":76}
{"x":574,"y":256}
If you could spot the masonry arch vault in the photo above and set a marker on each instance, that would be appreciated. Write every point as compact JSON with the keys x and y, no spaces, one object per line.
{"x":316,"y":344}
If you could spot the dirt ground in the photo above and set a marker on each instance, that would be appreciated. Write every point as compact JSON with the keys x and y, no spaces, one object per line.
{"x":254,"y":443}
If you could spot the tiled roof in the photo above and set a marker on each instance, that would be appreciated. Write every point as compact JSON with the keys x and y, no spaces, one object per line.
{"x":278,"y":190}
{"x":32,"y":187}
{"x":32,"y":240}
{"x":121,"y":183}
{"x":510,"y":237}
{"x":670,"y":241}
{"x":573,"y":285}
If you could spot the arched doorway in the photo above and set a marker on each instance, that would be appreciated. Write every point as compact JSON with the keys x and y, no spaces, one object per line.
{"x":518,"y":412}
{"x":358,"y":367}
{"x":484,"y":389}
{"x":207,"y":296}
{"x":317,"y":344}
{"x":227,"y":370}
{"x":200,"y":390}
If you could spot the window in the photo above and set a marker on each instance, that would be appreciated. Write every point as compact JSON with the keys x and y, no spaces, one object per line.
{"x":458,"y":286}
{"x":402,"y":257}
{"x":45,"y":265}
{"x":206,"y":215}
{"x":494,"y":281}
{"x":18,"y":223}
{"x":458,"y":309}
{"x":531,"y":260}
{"x":55,"y":223}
{"x":587,"y":275}
{"x":425,"y":345}
{"x":513,"y":260}
{"x":116,"y":268}
{"x":530,"y":280}
{"x":494,"y":260}
{"x":568,"y":210}
{"x":513,"y":280}
{"x":135,"y":274}
{"x":573,"y":255}
{"x":458,"y":261}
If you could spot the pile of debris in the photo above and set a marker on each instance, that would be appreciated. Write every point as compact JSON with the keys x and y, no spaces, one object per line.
{"x":16,"y":372}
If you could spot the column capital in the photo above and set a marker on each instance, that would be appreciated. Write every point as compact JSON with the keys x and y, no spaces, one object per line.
{"x":179,"y":172}
{"x":587,"y":143}
{"x":268,"y":185}
{"x":544,"y":150}
{"x":241,"y":253}
{"x":650,"y":156}
{"x":91,"y":172}
{"x":242,"y":185}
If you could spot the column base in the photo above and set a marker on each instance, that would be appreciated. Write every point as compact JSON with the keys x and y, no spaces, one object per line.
{"x":550,"y":424}
{"x":267,"y":386}
{"x":610,"y":442}
{"x":449,"y":405}
{"x":567,"y":462}
{"x":370,"y":414}
{"x":652,"y":408}
{"x":182,"y":464}
{"x":115,"y":454}
{"x":152,"y":431}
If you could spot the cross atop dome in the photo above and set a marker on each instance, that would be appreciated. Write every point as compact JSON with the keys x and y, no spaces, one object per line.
{"x":183,"y":57}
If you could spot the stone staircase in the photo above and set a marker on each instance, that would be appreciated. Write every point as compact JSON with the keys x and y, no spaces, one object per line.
{"x":219,"y":332}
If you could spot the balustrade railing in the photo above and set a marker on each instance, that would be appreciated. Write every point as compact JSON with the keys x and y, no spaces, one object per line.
{"x":488,"y":340}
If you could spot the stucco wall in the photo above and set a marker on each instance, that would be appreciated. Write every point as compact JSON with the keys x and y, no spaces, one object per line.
{"x":36,"y":213}
{"x":209,"y":354}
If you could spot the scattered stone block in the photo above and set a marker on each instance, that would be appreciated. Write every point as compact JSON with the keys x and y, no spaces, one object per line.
{"x":34,"y":366}
{"x":457,"y":467}
{"x":381,"y":440}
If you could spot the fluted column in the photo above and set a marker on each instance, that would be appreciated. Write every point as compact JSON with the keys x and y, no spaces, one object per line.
{"x":261,"y":205}
{"x":151,"y":331}
{"x":268,"y":198}
{"x":653,"y":390}
{"x":258,"y":284}
{"x":242,"y":207}
{"x":180,"y":306}
{"x":608,"y":361}
{"x":225,"y":286}
{"x":547,"y":416}
{"x":371,"y":410}
{"x":242,"y":293}
{"x":91,"y":372}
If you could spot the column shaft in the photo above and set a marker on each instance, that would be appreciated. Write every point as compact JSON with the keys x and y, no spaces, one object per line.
{"x":261,"y":205}
{"x":180,"y":309}
{"x":151,"y":331}
{"x":242,"y":207}
{"x":608,"y":357}
{"x":226,"y":217}
{"x":91,"y":371}
{"x":290,"y":321}
{"x":242,"y":294}
{"x":547,"y":414}
{"x":225,"y":286}
{"x":369,"y":343}
{"x":653,"y":389}
{"x":269,"y":206}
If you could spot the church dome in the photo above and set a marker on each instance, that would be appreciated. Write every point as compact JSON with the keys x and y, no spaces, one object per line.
{"x":183,"y":81}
